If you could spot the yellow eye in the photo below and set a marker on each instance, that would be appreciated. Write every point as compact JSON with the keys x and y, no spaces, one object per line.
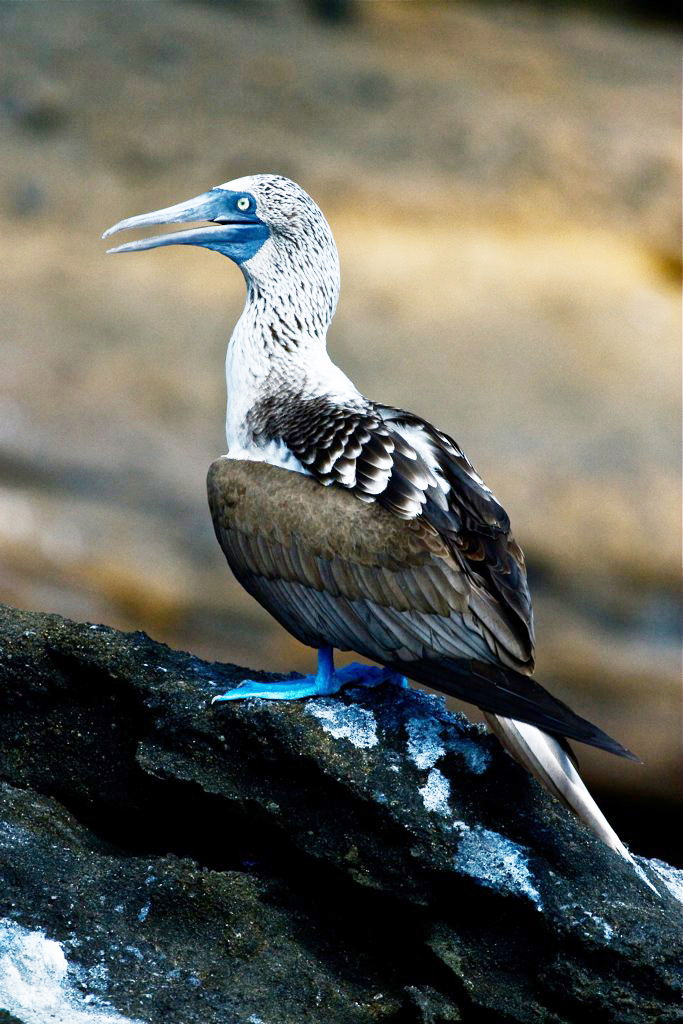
{"x":243,"y":203}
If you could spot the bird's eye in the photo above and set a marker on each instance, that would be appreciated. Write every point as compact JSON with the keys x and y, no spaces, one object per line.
{"x":243,"y":203}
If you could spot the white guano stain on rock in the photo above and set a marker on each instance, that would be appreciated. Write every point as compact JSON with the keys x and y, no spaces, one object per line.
{"x":606,"y":929}
{"x":429,"y":739}
{"x":476,"y":758}
{"x":345,"y":721}
{"x":424,"y":741}
{"x":439,"y":732}
{"x":671,"y":877}
{"x":37,"y":984}
{"x":436,"y":792}
{"x":496,"y":862}
{"x":575,"y":914}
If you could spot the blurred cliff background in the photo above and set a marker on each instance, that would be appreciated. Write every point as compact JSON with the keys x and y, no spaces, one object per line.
{"x":502,"y":181}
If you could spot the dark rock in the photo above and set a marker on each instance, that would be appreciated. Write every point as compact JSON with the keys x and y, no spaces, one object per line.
{"x":294,"y":862}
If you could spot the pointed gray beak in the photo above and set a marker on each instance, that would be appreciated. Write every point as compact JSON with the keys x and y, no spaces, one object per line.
{"x":228,"y":228}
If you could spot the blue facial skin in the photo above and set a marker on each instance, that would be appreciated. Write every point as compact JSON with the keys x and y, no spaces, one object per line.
{"x":234,"y":232}
{"x":247,"y":245}
{"x":249,"y":230}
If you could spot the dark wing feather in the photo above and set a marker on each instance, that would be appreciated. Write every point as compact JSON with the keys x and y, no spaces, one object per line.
{"x":338,"y":572}
{"x":476,"y":525}
{"x":416,"y":472}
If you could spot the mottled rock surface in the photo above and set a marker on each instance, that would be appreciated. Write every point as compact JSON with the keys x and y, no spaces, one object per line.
{"x":346,"y":860}
{"x":506,"y":216}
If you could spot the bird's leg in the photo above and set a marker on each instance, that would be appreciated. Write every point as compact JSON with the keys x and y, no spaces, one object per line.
{"x":323,"y":684}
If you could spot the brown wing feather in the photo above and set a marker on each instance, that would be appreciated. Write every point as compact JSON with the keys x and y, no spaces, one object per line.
{"x":335,"y":571}
{"x":414,"y":471}
{"x":476,"y":526}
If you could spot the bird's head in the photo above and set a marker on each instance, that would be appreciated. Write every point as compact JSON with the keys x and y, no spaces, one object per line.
{"x":264,"y":214}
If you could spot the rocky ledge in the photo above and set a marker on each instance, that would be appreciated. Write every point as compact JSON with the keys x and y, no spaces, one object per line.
{"x":365,"y":858}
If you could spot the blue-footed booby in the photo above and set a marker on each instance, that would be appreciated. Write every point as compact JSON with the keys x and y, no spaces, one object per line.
{"x":359,"y":526}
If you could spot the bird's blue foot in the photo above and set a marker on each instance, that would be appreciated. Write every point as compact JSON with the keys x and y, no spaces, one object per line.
{"x":324,"y":683}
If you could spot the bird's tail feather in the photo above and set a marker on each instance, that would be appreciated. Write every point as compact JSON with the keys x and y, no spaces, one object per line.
{"x":502,"y":691}
{"x":547,"y":760}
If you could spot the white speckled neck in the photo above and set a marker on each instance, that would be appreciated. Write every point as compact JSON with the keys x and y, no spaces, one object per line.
{"x":279,"y":343}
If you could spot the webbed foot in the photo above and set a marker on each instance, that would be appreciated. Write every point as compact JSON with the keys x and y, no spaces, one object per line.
{"x":325,"y":682}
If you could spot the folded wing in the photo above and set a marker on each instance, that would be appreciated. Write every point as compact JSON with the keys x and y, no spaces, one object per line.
{"x":337,"y":571}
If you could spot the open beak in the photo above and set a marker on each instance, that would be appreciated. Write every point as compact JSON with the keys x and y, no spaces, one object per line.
{"x":228,"y":227}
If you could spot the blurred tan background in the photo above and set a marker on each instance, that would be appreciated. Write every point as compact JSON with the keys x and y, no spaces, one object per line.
{"x":502,"y":182}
